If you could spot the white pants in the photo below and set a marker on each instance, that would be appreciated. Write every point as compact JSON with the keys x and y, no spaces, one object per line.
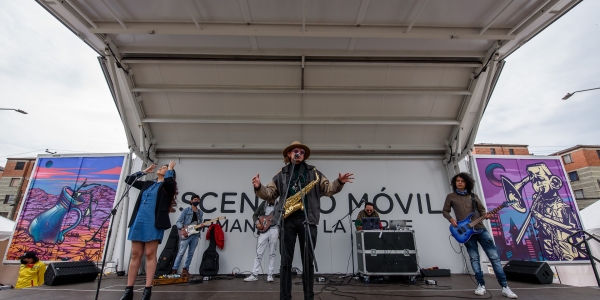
{"x":269,"y":238}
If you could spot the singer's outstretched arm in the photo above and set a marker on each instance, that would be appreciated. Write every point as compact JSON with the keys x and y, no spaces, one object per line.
{"x":132,"y":180}
{"x":268,"y":193}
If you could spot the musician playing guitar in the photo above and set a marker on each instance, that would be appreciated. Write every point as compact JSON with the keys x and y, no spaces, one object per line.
{"x":190,"y":215}
{"x":463,"y":201}
{"x":267,"y":236}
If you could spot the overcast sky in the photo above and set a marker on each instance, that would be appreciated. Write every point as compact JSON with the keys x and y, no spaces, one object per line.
{"x":526,"y":106}
{"x":48,"y":72}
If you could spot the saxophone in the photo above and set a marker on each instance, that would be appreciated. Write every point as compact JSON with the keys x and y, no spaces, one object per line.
{"x":294,"y":203}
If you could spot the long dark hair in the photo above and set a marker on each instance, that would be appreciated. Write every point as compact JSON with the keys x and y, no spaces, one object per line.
{"x":468,"y":180}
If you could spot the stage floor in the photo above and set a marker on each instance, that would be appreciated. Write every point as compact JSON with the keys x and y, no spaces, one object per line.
{"x":459,"y":286}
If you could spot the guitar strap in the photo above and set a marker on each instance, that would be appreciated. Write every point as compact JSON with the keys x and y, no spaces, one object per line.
{"x":474,"y":204}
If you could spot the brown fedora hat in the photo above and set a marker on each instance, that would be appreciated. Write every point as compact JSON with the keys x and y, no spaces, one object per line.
{"x":297,"y":144}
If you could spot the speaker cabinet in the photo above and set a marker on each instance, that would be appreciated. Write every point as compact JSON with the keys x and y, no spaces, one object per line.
{"x":387,"y":252}
{"x":529,"y":271}
{"x":70,"y":272}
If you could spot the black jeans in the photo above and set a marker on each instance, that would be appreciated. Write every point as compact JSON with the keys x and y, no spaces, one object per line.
{"x":294,"y":227}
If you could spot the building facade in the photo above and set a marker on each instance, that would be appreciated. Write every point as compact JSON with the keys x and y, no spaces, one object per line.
{"x":582,"y":163}
{"x":501,"y":149}
{"x":13,"y":184}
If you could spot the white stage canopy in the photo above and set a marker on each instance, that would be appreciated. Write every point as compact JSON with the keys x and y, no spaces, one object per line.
{"x":377,"y":77}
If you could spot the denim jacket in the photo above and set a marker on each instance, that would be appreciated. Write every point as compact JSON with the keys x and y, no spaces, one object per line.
{"x":185,"y":218}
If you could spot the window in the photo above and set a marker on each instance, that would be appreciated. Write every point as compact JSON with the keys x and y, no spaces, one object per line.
{"x":493,"y":150}
{"x":579,"y":194}
{"x":14,"y":182}
{"x":567,"y":159}
{"x":573,"y":176}
{"x":511,"y":151}
{"x":20,"y":165}
{"x":4,"y":214}
{"x":598,"y":152}
{"x":9,"y":199}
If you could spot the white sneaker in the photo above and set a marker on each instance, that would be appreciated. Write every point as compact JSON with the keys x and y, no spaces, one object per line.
{"x":270,"y":278}
{"x":481,"y":290}
{"x":506,"y":292}
{"x":251,"y":278}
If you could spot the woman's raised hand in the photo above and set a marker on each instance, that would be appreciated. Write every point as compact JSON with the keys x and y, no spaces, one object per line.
{"x":150,"y":169}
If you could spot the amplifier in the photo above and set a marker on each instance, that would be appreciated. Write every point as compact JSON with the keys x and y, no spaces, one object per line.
{"x":389,"y":252}
{"x":529,"y":271}
{"x":70,"y":272}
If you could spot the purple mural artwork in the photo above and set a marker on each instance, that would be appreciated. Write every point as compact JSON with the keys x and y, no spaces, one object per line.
{"x":66,"y":203}
{"x":537,"y":226}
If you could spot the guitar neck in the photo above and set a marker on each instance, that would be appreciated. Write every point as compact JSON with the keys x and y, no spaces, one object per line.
{"x":480,"y":219}
{"x":206,"y":223}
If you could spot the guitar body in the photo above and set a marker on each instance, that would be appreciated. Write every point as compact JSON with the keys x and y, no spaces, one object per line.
{"x":194,"y":227}
{"x":463,"y":232}
{"x":190,"y":229}
{"x":267,"y":222}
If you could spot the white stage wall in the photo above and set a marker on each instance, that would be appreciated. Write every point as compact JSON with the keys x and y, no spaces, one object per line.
{"x":400,"y":188}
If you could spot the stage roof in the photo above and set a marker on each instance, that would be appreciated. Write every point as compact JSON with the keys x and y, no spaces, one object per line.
{"x":342,"y":76}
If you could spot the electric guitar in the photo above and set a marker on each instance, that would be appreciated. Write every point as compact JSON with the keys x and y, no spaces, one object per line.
{"x":193,"y":228}
{"x":466,"y":228}
{"x":267,"y":221}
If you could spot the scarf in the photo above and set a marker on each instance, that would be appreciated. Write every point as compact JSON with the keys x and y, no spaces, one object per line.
{"x":462,"y":193}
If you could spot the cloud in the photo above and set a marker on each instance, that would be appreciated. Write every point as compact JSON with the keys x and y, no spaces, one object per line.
{"x":48,"y":72}
{"x":54,"y":173}
{"x":113,"y":171}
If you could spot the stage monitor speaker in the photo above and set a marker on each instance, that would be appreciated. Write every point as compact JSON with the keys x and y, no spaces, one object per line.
{"x":529,"y":271}
{"x":70,"y":272}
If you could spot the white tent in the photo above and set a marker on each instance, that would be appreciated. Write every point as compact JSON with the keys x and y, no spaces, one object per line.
{"x":591,"y":223}
{"x":589,"y":218}
{"x":583,"y":275}
{"x":6,"y":228}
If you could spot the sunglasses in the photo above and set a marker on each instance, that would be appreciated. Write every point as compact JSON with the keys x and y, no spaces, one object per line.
{"x":296,"y":151}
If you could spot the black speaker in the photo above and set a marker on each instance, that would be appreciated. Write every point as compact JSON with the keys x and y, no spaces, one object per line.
{"x":70,"y":272}
{"x":529,"y":271}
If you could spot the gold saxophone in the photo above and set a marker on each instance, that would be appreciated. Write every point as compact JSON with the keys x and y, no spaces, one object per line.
{"x":294,"y":203}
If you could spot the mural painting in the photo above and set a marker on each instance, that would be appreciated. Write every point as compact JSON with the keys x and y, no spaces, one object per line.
{"x":64,"y":208}
{"x":538,"y":225}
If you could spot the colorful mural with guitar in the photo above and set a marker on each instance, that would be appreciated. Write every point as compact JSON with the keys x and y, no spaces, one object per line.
{"x":67,"y":200}
{"x":542,"y":213}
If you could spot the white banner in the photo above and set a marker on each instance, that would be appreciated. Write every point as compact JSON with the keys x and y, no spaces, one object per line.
{"x":400,"y":189}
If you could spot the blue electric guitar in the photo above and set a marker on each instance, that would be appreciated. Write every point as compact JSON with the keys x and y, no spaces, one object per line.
{"x":466,"y":228}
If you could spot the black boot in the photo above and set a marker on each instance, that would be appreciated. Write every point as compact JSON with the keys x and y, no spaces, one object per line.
{"x":147,"y":293}
{"x":128,"y":294}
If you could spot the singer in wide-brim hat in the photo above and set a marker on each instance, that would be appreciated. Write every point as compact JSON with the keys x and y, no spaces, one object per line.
{"x":303,"y":179}
{"x":292,"y":147}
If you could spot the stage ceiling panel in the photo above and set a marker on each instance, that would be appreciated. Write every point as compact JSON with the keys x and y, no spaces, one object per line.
{"x":344,"y":76}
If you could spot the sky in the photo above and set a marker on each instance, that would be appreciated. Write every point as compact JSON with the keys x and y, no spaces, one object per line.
{"x":526,"y":106}
{"x":48,"y":72}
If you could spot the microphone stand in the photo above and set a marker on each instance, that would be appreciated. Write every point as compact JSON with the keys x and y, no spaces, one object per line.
{"x":281,"y":220}
{"x":349,"y":214}
{"x":113,"y":212}
{"x":307,"y":236}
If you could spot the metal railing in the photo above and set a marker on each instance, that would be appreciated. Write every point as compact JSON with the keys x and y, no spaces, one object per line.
{"x":580,"y":246}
